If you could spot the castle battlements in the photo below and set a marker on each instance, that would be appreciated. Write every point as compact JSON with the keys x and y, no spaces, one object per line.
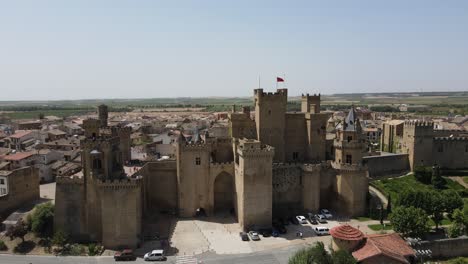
{"x":442,"y":139}
{"x":348,"y":167}
{"x":195,"y":147}
{"x":120,"y":184}
{"x":308,"y":96}
{"x":221,"y":164}
{"x":69,"y":180}
{"x":280,"y":93}
{"x":419,"y":123}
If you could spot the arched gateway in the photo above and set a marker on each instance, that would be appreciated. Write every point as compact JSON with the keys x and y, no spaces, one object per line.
{"x":223,"y":192}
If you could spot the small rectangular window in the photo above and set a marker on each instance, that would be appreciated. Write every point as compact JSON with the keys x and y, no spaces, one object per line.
{"x":2,"y":181}
{"x":440,"y":148}
{"x":197,"y":161}
{"x":349,"y":159}
{"x":295,"y":155}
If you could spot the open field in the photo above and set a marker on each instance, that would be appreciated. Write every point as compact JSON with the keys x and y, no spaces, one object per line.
{"x":440,"y":104}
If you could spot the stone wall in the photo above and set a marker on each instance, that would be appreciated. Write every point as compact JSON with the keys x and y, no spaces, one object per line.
{"x":23,"y":188}
{"x":295,"y":137}
{"x":287,"y":189}
{"x":69,"y":211}
{"x":446,"y":248}
{"x":160,"y":185}
{"x":387,"y":165}
{"x":121,"y":213}
{"x":450,"y":152}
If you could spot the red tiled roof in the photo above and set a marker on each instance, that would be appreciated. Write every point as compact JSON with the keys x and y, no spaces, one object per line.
{"x":346,"y":232}
{"x":18,"y":156}
{"x":389,"y":245}
{"x":20,"y":133}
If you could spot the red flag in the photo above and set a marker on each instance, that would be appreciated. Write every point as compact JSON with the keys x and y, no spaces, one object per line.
{"x":278,"y":79}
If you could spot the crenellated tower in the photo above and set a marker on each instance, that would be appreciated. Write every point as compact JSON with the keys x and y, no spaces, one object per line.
{"x":253,"y":170}
{"x":417,"y":142}
{"x":310,"y":103}
{"x":270,"y":118}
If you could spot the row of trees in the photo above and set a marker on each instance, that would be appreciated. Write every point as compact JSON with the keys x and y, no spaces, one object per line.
{"x":319,"y":255}
{"x":415,"y":207}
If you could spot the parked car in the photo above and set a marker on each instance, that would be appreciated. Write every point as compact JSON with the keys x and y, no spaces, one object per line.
{"x":321,"y":219}
{"x":326,"y":213}
{"x":124,"y":255}
{"x":254,"y":236}
{"x":301,"y":219}
{"x":157,"y":254}
{"x":244,"y":236}
{"x":280,"y":228}
{"x":266,"y":232}
{"x":312,"y":219}
{"x":321,"y":231}
{"x":275,"y":232}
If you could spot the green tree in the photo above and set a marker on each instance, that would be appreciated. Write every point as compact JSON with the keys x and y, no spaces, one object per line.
{"x":436,"y":208}
{"x":423,"y":174}
{"x":409,"y":221}
{"x":389,"y":205}
{"x":42,"y":220}
{"x":342,"y":257}
{"x":19,"y":230}
{"x":437,"y":181}
{"x":460,"y":220}
{"x":452,"y":201}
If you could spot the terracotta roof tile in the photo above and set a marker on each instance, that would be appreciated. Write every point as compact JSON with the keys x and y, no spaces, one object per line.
{"x":390,"y":245}
{"x":346,"y":232}
{"x":18,"y":156}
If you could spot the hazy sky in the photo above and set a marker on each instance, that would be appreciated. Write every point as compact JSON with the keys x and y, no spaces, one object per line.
{"x":140,"y":49}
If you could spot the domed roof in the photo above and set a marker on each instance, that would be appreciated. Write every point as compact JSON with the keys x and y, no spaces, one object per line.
{"x":346,"y":232}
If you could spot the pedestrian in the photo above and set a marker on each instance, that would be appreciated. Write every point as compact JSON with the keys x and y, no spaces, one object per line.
{"x":300,"y":234}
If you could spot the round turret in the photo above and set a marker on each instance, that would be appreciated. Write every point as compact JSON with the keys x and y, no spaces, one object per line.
{"x":346,"y":237}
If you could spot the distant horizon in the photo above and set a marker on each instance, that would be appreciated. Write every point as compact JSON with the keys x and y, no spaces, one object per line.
{"x":230,"y":97}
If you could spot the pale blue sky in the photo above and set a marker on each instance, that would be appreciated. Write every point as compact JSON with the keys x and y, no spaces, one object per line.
{"x":141,"y":49}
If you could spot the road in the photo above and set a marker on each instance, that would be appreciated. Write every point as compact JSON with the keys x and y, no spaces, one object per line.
{"x":279,"y":256}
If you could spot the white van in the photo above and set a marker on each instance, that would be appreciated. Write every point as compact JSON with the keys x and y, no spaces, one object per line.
{"x":321,"y":231}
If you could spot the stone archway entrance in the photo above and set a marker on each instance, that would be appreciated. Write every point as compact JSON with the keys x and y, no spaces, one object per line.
{"x":223,"y":192}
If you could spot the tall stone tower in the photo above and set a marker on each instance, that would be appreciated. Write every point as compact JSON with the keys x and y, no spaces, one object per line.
{"x":193,"y":162}
{"x":270,"y":118}
{"x":103,"y":113}
{"x":417,"y":142}
{"x":352,"y":182}
{"x":253,"y":169}
{"x":310,"y":103}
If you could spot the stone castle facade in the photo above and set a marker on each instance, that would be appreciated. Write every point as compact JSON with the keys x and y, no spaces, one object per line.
{"x":426,"y":146}
{"x":271,"y":165}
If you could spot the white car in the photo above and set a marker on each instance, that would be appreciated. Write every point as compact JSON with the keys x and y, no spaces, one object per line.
{"x":326,"y":213}
{"x":321,"y":231}
{"x":157,"y":254}
{"x":301,"y":219}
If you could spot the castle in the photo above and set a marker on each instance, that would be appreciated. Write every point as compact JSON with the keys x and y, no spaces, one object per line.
{"x":426,"y":146}
{"x":274,"y":164}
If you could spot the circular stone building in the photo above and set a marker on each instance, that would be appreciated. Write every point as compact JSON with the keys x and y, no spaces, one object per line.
{"x":346,"y":237}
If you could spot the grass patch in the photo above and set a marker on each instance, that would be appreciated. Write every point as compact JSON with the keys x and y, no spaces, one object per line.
{"x":445,"y":221}
{"x":395,"y":186}
{"x":379,"y":227}
{"x":465,"y":179}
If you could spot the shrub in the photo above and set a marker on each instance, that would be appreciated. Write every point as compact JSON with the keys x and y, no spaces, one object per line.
{"x":60,"y":238}
{"x":423,"y":174}
{"x":42,"y":220}
{"x":17,"y":231}
{"x":3,"y":246}
{"x":454,"y":231}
